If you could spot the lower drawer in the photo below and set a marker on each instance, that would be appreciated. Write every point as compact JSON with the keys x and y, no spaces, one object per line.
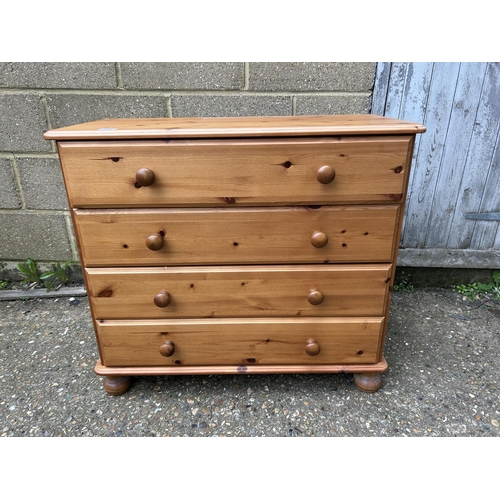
{"x":238,"y":291}
{"x":237,"y":341}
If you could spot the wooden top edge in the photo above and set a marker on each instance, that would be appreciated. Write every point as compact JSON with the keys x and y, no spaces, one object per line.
{"x":254,"y":126}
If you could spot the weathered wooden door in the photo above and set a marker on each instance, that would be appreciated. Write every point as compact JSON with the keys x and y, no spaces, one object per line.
{"x":456,"y":170}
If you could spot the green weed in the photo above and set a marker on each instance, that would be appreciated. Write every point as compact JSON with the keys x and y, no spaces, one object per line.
{"x":403,"y":283}
{"x":30,"y":273}
{"x":57,"y":277}
{"x":476,"y":291}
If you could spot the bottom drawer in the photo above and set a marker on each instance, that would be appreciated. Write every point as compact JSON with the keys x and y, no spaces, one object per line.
{"x":235,"y":341}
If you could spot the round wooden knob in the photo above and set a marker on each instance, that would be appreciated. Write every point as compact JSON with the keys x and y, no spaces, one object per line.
{"x":312,"y":348}
{"x":315,"y":297}
{"x":167,"y":348}
{"x":325,"y":174}
{"x":162,"y":299}
{"x":154,"y":242}
{"x":319,"y":239}
{"x":145,"y":177}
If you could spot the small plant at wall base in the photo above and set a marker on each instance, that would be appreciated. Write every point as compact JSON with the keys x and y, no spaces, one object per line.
{"x":403,"y":283}
{"x":476,"y":291}
{"x":55,"y":278}
{"x":30,"y":273}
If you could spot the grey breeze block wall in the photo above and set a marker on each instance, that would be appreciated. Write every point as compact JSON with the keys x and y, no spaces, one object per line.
{"x":36,"y":97}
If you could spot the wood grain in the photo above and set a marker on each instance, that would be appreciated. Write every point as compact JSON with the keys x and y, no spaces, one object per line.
{"x":285,"y":126}
{"x":238,"y":291}
{"x":234,"y":172}
{"x":236,"y":236}
{"x":239,"y":341}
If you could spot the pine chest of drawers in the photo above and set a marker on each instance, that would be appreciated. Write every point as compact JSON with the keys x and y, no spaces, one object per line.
{"x":238,"y":245}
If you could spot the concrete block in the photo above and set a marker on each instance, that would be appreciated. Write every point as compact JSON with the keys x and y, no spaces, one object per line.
{"x":22,"y":123}
{"x":42,"y":183}
{"x":332,"y":105}
{"x":183,"y":75}
{"x":312,"y":76}
{"x":230,"y":105}
{"x":58,"y":75}
{"x":9,"y":197}
{"x":39,"y":236}
{"x":70,"y":109}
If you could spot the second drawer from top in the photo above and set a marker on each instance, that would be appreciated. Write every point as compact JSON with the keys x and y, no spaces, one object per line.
{"x":187,"y":236}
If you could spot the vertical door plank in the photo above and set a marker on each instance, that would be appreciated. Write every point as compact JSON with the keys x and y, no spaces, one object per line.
{"x":475,"y":177}
{"x":404,"y":93}
{"x":414,"y":103}
{"x":496,"y":243}
{"x":486,"y":234}
{"x":382,"y":81}
{"x":430,"y":153}
{"x":396,"y":89}
{"x":453,"y":164}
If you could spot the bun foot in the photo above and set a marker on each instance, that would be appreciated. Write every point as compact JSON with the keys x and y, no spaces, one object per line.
{"x":368,"y":382}
{"x":116,"y":385}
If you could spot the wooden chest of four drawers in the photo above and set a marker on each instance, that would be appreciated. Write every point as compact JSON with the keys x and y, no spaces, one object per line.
{"x":238,"y":245}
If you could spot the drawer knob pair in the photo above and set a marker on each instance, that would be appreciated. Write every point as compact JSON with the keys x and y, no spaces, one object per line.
{"x":167,"y":348}
{"x":325,"y":174}
{"x":144,"y":177}
{"x":155,"y":241}
{"x":162,"y":299}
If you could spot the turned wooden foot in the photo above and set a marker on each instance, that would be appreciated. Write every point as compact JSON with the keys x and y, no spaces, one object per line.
{"x":368,"y":382}
{"x":116,"y":385}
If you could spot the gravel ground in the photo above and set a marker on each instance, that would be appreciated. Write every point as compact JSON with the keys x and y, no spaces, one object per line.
{"x":443,"y":380}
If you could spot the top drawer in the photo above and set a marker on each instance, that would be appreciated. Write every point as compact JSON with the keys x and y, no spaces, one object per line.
{"x":250,"y":172}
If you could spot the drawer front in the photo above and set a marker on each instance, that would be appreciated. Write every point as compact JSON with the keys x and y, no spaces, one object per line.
{"x":239,"y":341}
{"x":239,"y":291}
{"x":235,"y":172}
{"x":236,"y":236}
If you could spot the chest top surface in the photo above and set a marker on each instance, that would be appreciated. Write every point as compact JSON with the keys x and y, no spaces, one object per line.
{"x":271,"y":126}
